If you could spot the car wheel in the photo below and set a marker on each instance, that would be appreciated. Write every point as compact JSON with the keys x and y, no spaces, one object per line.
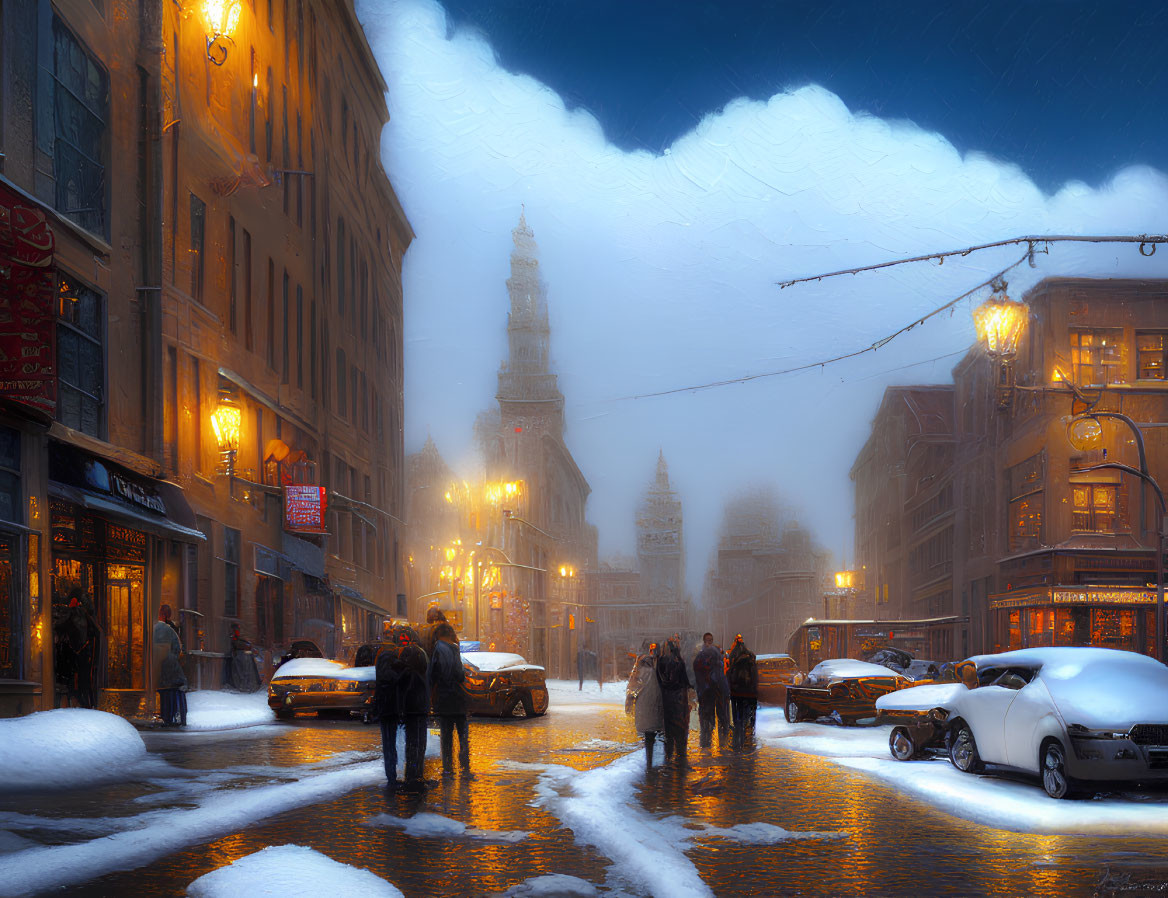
{"x":1053,"y":763}
{"x":901,"y":744}
{"x":963,"y":750}
{"x":529,"y":706}
{"x":792,"y":711}
{"x":366,"y":717}
{"x":516,"y":707}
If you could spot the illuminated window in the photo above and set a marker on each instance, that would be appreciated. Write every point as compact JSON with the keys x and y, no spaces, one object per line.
{"x":1097,"y":356}
{"x":1150,"y":352}
{"x":1095,"y":508}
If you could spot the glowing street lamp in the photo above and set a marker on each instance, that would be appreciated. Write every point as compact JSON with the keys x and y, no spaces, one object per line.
{"x":1000,"y":322}
{"x":226,"y":421}
{"x":222,"y":20}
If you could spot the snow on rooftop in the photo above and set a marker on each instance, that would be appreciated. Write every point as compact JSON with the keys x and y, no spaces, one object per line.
{"x":427,"y":825}
{"x":290,"y":871}
{"x":66,"y":748}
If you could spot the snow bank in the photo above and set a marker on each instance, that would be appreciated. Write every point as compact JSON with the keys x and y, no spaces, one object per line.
{"x":552,"y":885}
{"x":290,"y":871}
{"x":211,"y":709}
{"x":568,"y":692}
{"x":66,"y":748}
{"x":648,"y":853}
{"x":426,"y":825}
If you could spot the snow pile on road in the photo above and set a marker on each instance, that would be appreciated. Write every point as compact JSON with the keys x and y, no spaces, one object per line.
{"x":425,"y":825}
{"x":552,"y":885}
{"x":66,"y":748}
{"x":211,"y":709}
{"x":1019,"y":806}
{"x":568,"y":692}
{"x":600,"y":806}
{"x":290,"y":871}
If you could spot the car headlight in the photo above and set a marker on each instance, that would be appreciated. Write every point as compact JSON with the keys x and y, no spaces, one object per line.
{"x":938,"y":715}
{"x":1078,"y":731}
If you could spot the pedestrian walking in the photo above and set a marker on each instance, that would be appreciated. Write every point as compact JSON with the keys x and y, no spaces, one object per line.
{"x":648,"y":712}
{"x":413,"y":700}
{"x":385,"y":708}
{"x":674,"y":683}
{"x":169,"y":678}
{"x":446,"y":677}
{"x":742,"y":673}
{"x":713,"y":692}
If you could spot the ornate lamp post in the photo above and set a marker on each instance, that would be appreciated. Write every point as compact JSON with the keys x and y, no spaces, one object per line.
{"x":1084,"y":433}
{"x":222,"y":20}
{"x":1000,"y":322}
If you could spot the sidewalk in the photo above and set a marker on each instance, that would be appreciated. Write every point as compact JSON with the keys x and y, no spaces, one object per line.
{"x":209,"y":710}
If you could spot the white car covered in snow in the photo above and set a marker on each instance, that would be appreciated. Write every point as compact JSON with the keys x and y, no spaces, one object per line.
{"x":1070,"y":715}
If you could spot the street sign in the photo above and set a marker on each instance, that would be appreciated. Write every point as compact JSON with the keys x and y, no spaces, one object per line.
{"x":304,"y":509}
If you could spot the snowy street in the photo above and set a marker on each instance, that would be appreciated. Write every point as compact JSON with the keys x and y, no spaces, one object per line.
{"x":565,"y":796}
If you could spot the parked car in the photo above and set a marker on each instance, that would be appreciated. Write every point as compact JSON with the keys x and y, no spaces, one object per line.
{"x":841,"y":688}
{"x":917,"y":669}
{"x":775,"y":674}
{"x":326,"y":687}
{"x":1069,"y":715}
{"x":503,"y":684}
{"x":918,"y":719}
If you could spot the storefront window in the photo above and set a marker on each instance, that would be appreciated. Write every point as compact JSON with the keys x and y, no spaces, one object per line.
{"x":10,"y":505}
{"x":1040,"y":627}
{"x":1097,"y":356}
{"x":126,"y":623}
{"x":1151,"y":348}
{"x":11,"y":654}
{"x":1072,"y":626}
{"x":1114,"y":628}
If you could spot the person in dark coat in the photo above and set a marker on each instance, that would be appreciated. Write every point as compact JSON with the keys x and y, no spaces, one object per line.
{"x":674,"y":683}
{"x":413,"y":697}
{"x":245,"y":674}
{"x":742,"y":673}
{"x":434,"y":617}
{"x":77,"y":637}
{"x":713,"y":692}
{"x":385,"y":708}
{"x":169,"y":678}
{"x":446,"y":676}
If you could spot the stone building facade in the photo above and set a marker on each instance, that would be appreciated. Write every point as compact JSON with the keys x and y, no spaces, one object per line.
{"x":176,"y":234}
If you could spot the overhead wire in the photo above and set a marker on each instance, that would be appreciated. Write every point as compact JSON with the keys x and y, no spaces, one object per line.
{"x":1027,"y":256}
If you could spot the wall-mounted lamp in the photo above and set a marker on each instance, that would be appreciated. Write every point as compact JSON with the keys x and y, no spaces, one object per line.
{"x":1000,"y":322}
{"x":222,"y":20}
{"x":226,"y":421}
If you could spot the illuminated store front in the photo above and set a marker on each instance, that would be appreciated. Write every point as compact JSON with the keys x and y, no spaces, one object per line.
{"x":1103,"y":616}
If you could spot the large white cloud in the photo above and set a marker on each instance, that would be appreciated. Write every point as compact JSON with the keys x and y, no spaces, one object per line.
{"x":662,"y":270}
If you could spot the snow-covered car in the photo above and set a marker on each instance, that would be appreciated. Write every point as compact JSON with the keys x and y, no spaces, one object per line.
{"x":1070,"y":715}
{"x":918,"y":719}
{"x":326,"y":687}
{"x":503,"y":684}
{"x":843,"y":689}
{"x":775,"y":674}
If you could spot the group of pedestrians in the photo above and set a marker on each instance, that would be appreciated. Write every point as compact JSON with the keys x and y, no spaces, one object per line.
{"x":724,"y":683}
{"x":416,"y":675}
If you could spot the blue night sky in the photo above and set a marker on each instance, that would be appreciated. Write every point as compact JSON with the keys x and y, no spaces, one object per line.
{"x":1065,"y":89}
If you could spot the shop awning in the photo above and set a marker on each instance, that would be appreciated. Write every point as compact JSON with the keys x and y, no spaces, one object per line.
{"x":108,"y":489}
{"x":347,"y":594}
